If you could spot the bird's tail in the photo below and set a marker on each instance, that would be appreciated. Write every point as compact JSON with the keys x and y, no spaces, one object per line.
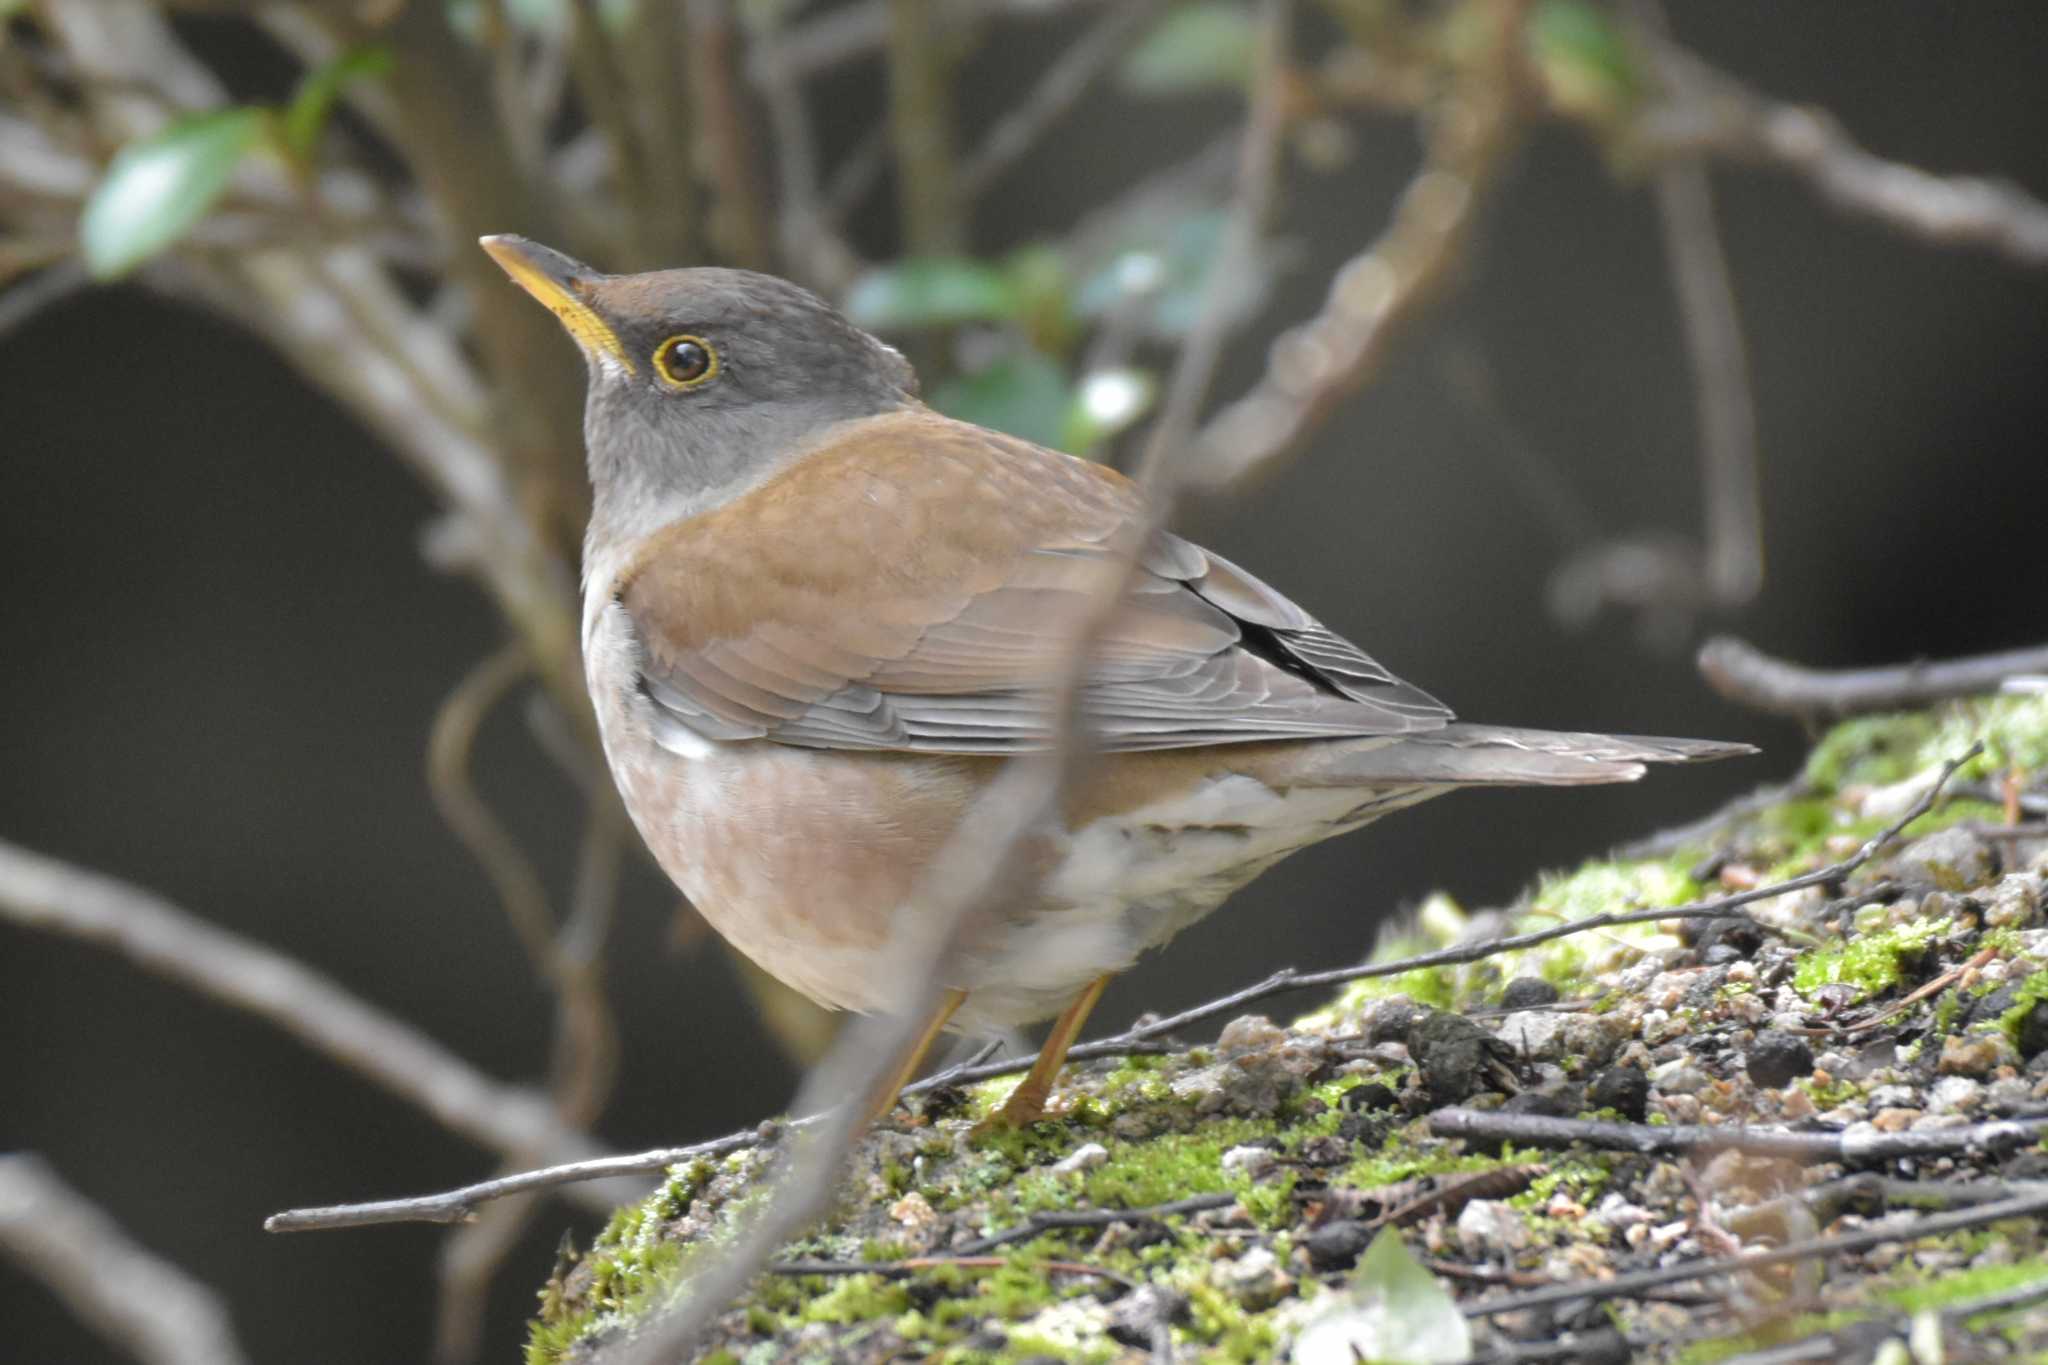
{"x":1503,"y":756}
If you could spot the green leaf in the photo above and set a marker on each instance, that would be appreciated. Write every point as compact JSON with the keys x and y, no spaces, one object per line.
{"x":1024,"y":394}
{"x":305,"y":119}
{"x":159,"y":187}
{"x":1394,"y":1313}
{"x":1202,"y":46}
{"x":1584,"y":58}
{"x":931,"y":291}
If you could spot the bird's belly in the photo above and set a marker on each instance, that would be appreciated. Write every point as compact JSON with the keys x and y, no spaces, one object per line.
{"x":808,"y":860}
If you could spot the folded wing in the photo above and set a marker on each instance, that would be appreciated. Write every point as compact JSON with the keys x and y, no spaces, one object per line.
{"x":913,"y":582}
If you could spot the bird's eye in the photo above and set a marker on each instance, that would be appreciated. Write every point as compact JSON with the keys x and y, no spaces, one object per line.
{"x":684,"y":362}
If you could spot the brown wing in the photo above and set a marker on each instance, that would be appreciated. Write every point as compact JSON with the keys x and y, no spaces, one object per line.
{"x":968,"y":555}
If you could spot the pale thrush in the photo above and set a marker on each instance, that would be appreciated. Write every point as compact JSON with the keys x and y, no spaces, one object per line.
{"x":818,"y":616}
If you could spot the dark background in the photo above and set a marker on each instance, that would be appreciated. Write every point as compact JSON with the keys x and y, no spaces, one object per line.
{"x":220,"y":650}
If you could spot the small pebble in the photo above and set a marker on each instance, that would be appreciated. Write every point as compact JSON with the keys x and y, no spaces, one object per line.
{"x":1250,"y":1161}
{"x":1338,"y":1245}
{"x":1976,"y":1055}
{"x":1086,"y":1157}
{"x":1624,"y":1089}
{"x":1952,"y":1095}
{"x":1254,"y":1279}
{"x":1488,"y":1226}
{"x":1527,"y":992}
{"x":1777,"y":1059}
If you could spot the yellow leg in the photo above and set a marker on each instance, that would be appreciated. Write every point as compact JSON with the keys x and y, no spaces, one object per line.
{"x":1026,"y":1104}
{"x":892,"y":1085}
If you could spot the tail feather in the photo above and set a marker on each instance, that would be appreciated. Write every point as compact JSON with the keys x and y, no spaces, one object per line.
{"x":1503,"y":756}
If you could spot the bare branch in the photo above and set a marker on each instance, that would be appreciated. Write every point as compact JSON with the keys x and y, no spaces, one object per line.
{"x":929,"y":188}
{"x":1742,"y":673}
{"x":1713,"y":112}
{"x":837,"y":36}
{"x":1313,"y":367}
{"x":1056,"y":93}
{"x":52,"y":897}
{"x":806,"y":221}
{"x":1734,"y":551}
{"x":461,"y":1205}
{"x":449,"y":742}
{"x":126,"y":1293}
{"x":601,"y":87}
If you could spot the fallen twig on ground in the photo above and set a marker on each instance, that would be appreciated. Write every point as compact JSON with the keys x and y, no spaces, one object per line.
{"x":1623,"y":1286}
{"x":1645,"y":1139}
{"x":1051,"y":1220}
{"x":1743,"y":673}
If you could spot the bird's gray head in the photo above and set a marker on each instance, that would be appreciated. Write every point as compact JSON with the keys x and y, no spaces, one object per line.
{"x":702,"y":381}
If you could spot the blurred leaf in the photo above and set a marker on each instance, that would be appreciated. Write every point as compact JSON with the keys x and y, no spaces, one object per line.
{"x":1037,"y":275}
{"x":1202,"y":46}
{"x":1024,"y":394}
{"x":305,"y":119}
{"x":1164,"y":274}
{"x":547,"y":18}
{"x":931,"y":291}
{"x":159,"y":187}
{"x":1584,"y":58}
{"x":1105,"y":406}
{"x":1393,"y":1313}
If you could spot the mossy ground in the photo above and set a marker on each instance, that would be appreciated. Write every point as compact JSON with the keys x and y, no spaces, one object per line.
{"x":1650,"y":997}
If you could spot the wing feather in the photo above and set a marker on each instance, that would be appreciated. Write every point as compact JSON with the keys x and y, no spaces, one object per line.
{"x":969,"y":555}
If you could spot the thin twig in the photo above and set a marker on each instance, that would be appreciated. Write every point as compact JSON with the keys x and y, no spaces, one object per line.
{"x":1851,"y":1147}
{"x":1311,"y":368}
{"x":838,"y":35}
{"x":1743,"y":673}
{"x":1054,"y":1220}
{"x":601,"y":88}
{"x":44,"y":894}
{"x":1712,"y":111}
{"x":911,"y":1265}
{"x":1622,"y":1286}
{"x":450,"y":740}
{"x":739,"y":219}
{"x":455,"y":1205}
{"x":461,"y":1205}
{"x":806,"y":219}
{"x":134,"y":1298}
{"x":1712,"y":325}
{"x":1056,"y":93}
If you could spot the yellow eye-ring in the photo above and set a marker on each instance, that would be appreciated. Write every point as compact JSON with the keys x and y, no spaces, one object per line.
{"x":684,"y":362}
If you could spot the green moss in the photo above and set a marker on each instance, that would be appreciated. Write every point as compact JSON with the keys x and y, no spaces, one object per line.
{"x":1399,"y":1161}
{"x":1960,"y":1286}
{"x":1872,"y":963}
{"x":1833,"y":1095}
{"x":1796,"y":1328}
{"x":2030,"y":993}
{"x":1879,"y":750}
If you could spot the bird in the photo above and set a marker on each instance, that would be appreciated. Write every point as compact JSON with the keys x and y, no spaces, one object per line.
{"x":819,"y":618}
